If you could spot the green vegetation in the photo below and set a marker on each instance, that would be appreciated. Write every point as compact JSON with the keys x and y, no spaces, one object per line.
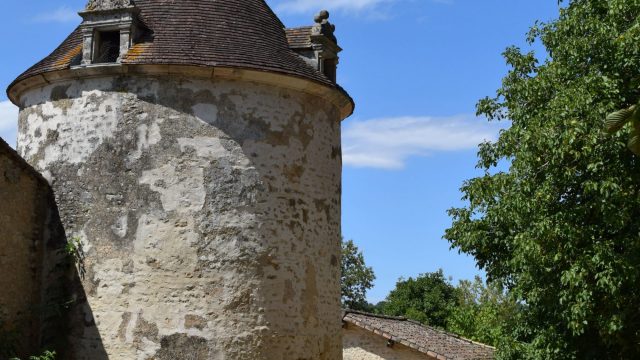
{"x":617,"y":121}
{"x":560,"y":228}
{"x":75,"y":254}
{"x":429,"y":299}
{"x":47,"y":355}
{"x":473,"y":310}
{"x":8,"y":340}
{"x":356,"y":278}
{"x":480,"y":312}
{"x":485,"y":313}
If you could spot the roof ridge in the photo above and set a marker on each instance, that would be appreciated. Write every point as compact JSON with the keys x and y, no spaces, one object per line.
{"x":381,"y":316}
{"x":302,"y":27}
{"x":415,"y":322}
{"x":274,"y":15}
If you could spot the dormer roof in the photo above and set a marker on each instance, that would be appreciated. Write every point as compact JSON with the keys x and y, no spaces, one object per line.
{"x":300,"y":37}
{"x":206,"y":33}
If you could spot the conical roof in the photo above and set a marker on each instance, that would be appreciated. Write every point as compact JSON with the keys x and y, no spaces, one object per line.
{"x":226,"y":33}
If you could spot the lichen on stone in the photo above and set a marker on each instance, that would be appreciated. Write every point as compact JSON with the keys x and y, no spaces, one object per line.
{"x":108,"y":4}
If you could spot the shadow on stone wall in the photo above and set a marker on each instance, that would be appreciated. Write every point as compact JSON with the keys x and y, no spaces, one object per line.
{"x":41,"y":285}
{"x":67,"y":315}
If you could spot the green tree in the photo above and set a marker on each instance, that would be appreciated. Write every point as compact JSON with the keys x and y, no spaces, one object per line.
{"x":560,"y":228}
{"x":484,"y":313}
{"x":429,"y":299}
{"x":356,"y":278}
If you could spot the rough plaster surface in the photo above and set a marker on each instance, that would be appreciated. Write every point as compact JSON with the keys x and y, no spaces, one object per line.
{"x":209,"y":214}
{"x":360,"y":344}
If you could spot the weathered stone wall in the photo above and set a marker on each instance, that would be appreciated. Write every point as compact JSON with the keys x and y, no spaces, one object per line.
{"x":360,"y":344}
{"x":29,"y":244}
{"x":209,"y":213}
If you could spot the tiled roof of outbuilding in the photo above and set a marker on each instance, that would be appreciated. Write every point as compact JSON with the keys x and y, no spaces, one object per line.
{"x":435,"y":343}
{"x":228,"y":33}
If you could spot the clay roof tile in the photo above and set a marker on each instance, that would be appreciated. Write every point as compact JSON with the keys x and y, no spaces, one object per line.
{"x":433,"y":342}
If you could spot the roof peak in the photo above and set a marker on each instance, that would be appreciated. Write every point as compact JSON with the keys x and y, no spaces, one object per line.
{"x":380,"y":316}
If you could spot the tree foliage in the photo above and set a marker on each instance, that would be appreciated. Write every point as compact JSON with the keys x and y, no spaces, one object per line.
{"x":560,"y":228}
{"x":617,"y":121}
{"x":487,"y":314}
{"x":483,"y":313}
{"x":429,"y":299}
{"x":356,"y":277}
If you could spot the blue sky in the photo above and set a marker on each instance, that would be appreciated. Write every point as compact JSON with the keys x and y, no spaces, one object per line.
{"x":415,"y":68}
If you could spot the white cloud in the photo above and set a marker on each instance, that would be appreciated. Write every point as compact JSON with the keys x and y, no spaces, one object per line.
{"x":60,"y":15}
{"x":309,"y":6}
{"x":8,"y":122}
{"x":388,"y":143}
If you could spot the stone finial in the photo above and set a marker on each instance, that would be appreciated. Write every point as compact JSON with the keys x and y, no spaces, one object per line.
{"x":322,"y":17}
{"x":323,"y":26}
{"x":94,"y":5}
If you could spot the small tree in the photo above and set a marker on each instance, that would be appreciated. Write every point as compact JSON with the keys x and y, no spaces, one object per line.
{"x":356,"y":277}
{"x":429,"y":299}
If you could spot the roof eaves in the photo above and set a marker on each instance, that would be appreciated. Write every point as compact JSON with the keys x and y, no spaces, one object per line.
{"x":388,"y":336}
{"x":402,"y":340}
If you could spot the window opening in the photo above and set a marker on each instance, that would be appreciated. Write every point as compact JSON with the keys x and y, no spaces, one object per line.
{"x":330,"y":68}
{"x":108,"y":47}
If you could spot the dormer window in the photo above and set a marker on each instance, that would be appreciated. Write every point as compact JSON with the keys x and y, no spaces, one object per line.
{"x":108,"y":31}
{"x":329,"y":68}
{"x":317,"y":45}
{"x":107,"y":47}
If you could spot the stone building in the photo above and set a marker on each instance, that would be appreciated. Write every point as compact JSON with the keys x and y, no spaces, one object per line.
{"x":194,"y":155}
{"x":376,"y":337}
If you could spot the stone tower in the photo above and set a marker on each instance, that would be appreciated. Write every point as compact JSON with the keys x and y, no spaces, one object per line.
{"x":194,"y":153}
